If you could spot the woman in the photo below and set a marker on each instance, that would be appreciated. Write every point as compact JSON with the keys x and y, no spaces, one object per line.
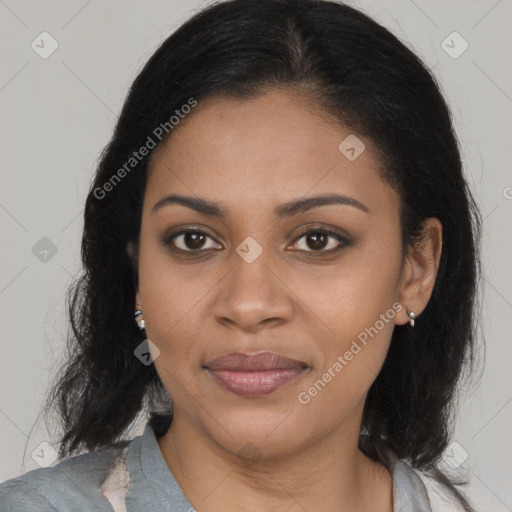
{"x":281,"y":262}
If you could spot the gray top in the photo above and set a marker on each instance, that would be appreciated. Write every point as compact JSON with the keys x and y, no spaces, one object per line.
{"x":136,"y":478}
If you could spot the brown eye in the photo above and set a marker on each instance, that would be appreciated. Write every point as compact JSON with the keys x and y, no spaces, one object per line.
{"x":316,"y":240}
{"x":190,"y":240}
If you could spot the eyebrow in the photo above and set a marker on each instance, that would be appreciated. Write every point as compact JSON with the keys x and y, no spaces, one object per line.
{"x":288,"y":209}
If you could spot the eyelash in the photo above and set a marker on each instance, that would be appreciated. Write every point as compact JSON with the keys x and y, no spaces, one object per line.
{"x":344,"y":241}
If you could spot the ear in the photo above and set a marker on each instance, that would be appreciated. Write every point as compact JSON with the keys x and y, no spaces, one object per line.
{"x":130,"y":250}
{"x":420,"y":270}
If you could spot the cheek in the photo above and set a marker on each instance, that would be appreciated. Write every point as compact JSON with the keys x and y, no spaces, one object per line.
{"x":349,"y":296}
{"x":350,"y":360}
{"x":358,"y":302}
{"x":171,"y":301}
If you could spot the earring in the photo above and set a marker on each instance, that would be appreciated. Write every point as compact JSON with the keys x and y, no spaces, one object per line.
{"x":140,"y":323}
{"x":412,"y":316}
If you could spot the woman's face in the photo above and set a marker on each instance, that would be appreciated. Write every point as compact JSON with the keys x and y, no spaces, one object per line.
{"x":254,"y":283}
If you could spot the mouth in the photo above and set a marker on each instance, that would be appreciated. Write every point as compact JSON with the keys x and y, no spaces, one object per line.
{"x":253,"y":375}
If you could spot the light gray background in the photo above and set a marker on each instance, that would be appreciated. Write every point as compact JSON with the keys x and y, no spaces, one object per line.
{"x":58,"y":113}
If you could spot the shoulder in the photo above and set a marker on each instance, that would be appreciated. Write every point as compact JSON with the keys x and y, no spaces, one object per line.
{"x":73,"y":484}
{"x":18,"y":494}
{"x":440,"y":497}
{"x":415,"y":489}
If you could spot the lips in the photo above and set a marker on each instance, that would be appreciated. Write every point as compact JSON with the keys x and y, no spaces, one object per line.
{"x":254,"y":374}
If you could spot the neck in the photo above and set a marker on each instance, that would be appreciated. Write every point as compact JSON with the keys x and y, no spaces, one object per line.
{"x":330,"y":475}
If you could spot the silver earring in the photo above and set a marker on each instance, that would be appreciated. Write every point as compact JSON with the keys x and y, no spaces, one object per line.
{"x":140,"y":323}
{"x":412,"y":316}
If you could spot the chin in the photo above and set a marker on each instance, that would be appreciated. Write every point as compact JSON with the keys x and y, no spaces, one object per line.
{"x":267,"y":433}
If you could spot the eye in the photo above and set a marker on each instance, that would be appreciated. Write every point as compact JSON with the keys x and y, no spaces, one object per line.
{"x":190,"y":240}
{"x":320,"y":240}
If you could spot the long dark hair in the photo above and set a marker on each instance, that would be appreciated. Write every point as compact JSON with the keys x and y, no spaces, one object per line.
{"x":363,"y":75}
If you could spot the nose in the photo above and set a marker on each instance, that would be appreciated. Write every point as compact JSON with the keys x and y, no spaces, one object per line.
{"x":253,"y":296}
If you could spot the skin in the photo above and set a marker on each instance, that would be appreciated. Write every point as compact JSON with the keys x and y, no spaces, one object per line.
{"x":272,"y":453}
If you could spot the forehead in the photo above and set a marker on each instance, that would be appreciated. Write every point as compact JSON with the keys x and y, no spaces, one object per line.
{"x":270,"y":148}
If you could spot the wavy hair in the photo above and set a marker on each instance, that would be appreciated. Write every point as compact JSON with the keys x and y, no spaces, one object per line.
{"x":343,"y":61}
